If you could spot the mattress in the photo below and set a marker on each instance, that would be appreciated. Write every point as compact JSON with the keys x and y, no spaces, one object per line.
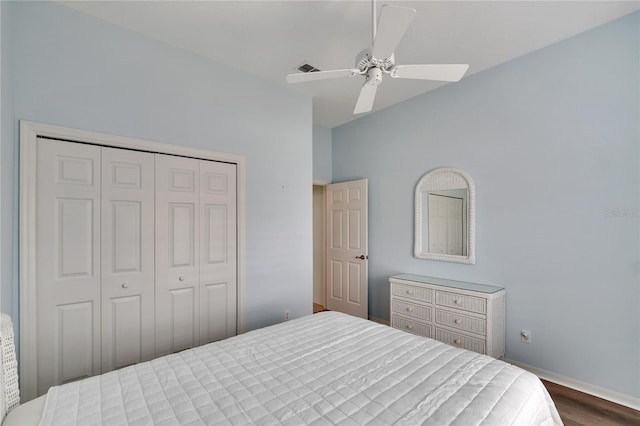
{"x":328,"y":368}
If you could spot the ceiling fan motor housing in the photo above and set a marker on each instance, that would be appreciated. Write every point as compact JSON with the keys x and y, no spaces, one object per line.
{"x":364,"y":61}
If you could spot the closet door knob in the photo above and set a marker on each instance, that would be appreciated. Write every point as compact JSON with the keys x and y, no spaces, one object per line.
{"x":125,"y":285}
{"x":180,"y":278}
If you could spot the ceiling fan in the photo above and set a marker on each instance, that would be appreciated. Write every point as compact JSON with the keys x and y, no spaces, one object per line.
{"x":373,"y":63}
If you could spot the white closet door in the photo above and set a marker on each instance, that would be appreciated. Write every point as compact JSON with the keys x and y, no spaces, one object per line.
{"x":127,"y":258}
{"x":68,"y":259}
{"x":177,"y":253}
{"x":218,"y":282}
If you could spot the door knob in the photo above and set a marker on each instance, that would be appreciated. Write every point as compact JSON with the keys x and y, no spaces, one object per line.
{"x":362,"y":257}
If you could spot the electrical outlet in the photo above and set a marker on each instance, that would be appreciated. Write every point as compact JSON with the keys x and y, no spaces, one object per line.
{"x":286,"y":315}
{"x":525,"y":336}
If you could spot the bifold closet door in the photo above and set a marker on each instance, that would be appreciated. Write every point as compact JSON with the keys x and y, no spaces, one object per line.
{"x":128,"y":307}
{"x":177,"y":248}
{"x":195,"y":252}
{"x":136,"y":257}
{"x":218,"y":258}
{"x":68,"y":262}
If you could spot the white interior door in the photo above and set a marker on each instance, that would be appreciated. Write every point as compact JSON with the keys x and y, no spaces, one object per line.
{"x":68,"y":262}
{"x":218,"y":264}
{"x":347,"y":254}
{"x":127,"y":257}
{"x":177,"y":253}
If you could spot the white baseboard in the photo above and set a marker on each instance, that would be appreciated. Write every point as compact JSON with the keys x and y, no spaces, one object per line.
{"x":379,"y":320}
{"x":609,"y":395}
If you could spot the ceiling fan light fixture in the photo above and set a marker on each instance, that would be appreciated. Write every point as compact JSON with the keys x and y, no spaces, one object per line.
{"x":374,"y":76}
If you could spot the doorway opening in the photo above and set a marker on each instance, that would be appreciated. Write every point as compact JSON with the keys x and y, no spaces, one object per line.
{"x":319,"y":249}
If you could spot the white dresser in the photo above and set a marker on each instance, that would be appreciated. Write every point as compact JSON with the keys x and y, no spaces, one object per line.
{"x":466,"y":315}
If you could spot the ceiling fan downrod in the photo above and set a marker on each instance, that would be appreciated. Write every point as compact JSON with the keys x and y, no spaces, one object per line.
{"x":374,"y":24}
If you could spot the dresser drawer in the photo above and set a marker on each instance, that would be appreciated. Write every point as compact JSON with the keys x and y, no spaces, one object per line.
{"x":462,"y":322}
{"x":411,"y":326}
{"x":459,"y":301}
{"x":411,"y":309}
{"x":460,"y":341}
{"x":412,"y":291}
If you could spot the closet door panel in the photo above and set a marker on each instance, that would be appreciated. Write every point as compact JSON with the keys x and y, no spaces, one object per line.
{"x":218,"y":236}
{"x":183,"y":321}
{"x":181,"y":234}
{"x":177,"y":248}
{"x":125,"y":341}
{"x":128,"y":272}
{"x":217,"y":324}
{"x":74,"y":328}
{"x":68,"y":256}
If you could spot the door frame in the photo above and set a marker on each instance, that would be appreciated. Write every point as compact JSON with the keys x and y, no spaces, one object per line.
{"x":29,"y":132}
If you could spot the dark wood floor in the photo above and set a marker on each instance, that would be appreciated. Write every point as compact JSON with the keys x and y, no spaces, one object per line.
{"x":579,"y":409}
{"x":317,"y":308}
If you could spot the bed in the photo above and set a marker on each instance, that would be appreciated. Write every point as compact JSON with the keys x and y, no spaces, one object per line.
{"x":328,"y":368}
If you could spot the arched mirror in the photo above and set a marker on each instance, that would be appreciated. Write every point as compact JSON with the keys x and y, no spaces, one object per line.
{"x":445,"y":216}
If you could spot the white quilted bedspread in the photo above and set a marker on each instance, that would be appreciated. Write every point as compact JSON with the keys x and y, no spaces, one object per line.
{"x":327,"y":368}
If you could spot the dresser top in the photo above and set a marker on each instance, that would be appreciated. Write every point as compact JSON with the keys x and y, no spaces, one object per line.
{"x":482,"y":288}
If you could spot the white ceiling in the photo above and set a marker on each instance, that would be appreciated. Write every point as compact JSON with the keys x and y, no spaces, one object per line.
{"x":272,"y":38}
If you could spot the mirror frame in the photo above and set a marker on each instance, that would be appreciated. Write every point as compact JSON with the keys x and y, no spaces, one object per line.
{"x":439,"y":179}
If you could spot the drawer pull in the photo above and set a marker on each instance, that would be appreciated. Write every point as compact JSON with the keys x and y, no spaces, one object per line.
{"x":456,"y":301}
{"x":409,"y":309}
{"x":410,"y":292}
{"x":457,"y":321}
{"x":457,"y":341}
{"x":409,"y":327}
{"x":125,"y":285}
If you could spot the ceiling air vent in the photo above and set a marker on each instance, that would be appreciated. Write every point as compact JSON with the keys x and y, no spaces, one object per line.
{"x":307,"y":68}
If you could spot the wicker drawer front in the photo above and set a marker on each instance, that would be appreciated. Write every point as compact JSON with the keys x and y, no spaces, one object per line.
{"x":460,"y":341}
{"x":411,"y":291}
{"x":411,"y":326}
{"x":411,"y":309}
{"x":462,"y":322}
{"x":459,"y":301}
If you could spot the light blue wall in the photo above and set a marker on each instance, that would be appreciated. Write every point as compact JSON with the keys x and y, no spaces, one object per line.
{"x":6,"y":166}
{"x":73,"y":70}
{"x":552,"y":142}
{"x":321,"y":154}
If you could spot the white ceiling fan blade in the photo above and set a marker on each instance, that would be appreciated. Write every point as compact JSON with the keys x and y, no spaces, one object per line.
{"x":320,"y":75}
{"x":365,"y":100}
{"x":438,"y":72}
{"x":394,"y":22}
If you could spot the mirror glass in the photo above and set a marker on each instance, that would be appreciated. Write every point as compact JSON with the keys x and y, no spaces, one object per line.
{"x":445,"y":216}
